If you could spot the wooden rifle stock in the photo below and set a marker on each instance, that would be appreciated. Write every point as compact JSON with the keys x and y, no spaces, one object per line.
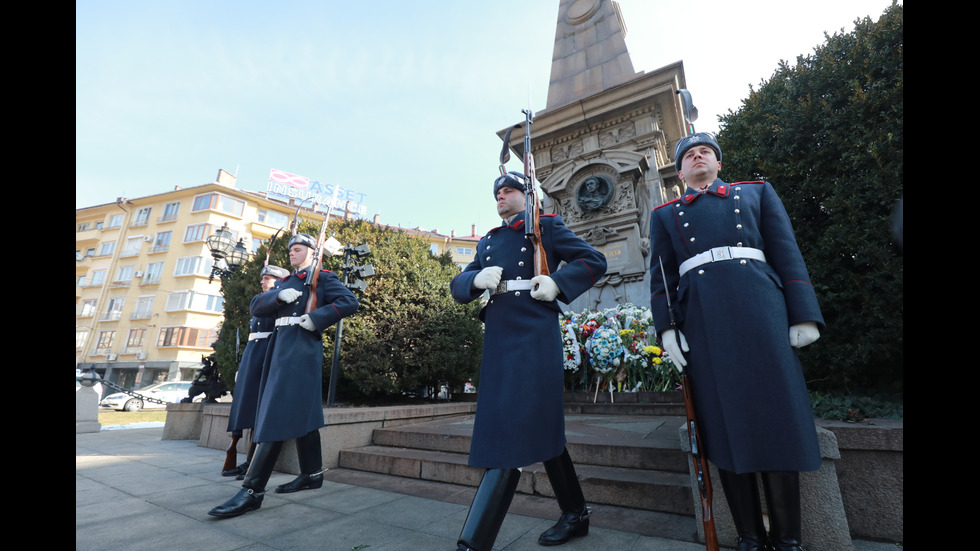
{"x":700,"y":469}
{"x":231,"y":454}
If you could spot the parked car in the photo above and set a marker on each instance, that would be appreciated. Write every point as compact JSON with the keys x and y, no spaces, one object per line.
{"x":167,"y":391}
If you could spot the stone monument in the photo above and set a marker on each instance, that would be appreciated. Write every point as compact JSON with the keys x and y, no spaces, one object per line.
{"x":603,"y":146}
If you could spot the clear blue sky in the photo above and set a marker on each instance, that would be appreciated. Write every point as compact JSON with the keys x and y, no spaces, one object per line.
{"x":168,"y":92}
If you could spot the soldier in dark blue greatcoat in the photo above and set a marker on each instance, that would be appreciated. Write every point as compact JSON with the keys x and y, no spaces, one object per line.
{"x":249,"y":375}
{"x":520,"y":412}
{"x":290,"y":396}
{"x":743,"y":304}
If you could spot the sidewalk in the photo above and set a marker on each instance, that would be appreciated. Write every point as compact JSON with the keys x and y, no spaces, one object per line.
{"x":136,"y":491}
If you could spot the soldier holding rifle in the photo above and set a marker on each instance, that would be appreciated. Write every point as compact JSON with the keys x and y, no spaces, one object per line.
{"x":290,"y":397}
{"x":743,"y":304}
{"x":520,"y":410}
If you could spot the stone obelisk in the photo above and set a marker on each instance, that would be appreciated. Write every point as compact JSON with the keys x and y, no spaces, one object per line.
{"x":603,"y":146}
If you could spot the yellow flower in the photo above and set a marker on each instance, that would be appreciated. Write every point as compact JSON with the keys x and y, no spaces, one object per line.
{"x":655,"y":350}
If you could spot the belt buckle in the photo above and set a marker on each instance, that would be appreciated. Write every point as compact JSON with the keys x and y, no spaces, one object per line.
{"x":721,"y":253}
{"x":501,"y":287}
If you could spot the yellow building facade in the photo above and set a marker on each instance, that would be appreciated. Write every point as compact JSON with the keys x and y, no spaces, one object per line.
{"x":145,"y":309}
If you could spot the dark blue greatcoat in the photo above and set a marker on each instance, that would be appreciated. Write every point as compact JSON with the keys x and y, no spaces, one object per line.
{"x":291,"y":395}
{"x":750,"y":397}
{"x":250,"y":375}
{"x":520,"y":417}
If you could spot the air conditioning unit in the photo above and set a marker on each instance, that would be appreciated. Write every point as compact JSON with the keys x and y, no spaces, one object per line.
{"x":148,"y":238}
{"x":141,"y":355}
{"x":111,"y":357}
{"x":138,"y":273}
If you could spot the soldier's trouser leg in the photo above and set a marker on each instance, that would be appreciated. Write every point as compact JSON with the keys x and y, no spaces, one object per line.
{"x":785,"y":520}
{"x":574,"y":520}
{"x":310,"y":465}
{"x":742,"y":493}
{"x":488,"y":509}
{"x":249,"y":498}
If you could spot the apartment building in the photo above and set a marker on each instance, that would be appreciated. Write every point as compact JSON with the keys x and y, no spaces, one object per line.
{"x":145,"y":308}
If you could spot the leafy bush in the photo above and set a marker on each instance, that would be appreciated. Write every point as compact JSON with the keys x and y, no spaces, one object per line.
{"x":827,"y":131}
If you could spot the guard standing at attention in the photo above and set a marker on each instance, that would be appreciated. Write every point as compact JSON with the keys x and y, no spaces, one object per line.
{"x":520,"y":415}
{"x":290,"y":396}
{"x":743,"y":303}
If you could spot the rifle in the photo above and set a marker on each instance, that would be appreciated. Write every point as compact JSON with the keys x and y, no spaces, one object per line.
{"x":532,"y":205}
{"x":314,"y":276}
{"x":231,"y":454}
{"x":700,"y":461}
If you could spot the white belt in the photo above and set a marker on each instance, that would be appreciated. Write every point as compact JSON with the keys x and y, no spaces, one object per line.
{"x":261,"y":335}
{"x":721,"y":253}
{"x":512,"y":285}
{"x":287,"y":321}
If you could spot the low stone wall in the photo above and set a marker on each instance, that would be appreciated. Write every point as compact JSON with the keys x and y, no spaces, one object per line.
{"x":856,"y":494}
{"x":345,"y":428}
{"x":871,"y":473}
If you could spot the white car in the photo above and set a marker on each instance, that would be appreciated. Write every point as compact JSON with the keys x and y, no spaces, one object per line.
{"x":167,"y":391}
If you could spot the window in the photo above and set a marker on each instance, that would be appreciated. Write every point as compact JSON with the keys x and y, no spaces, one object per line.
{"x":153,"y":273}
{"x":115,"y":221}
{"x":98,"y":278}
{"x":132,"y":246}
{"x":82,"y":227}
{"x":434,"y":248}
{"x":194,"y":265}
{"x":219,"y":202}
{"x":80,"y":339}
{"x":88,"y":309}
{"x":105,"y":249}
{"x":80,"y":281}
{"x":192,"y":300}
{"x":466,"y":251}
{"x":90,"y":251}
{"x":186,"y":336}
{"x":124,"y":274}
{"x":162,"y":242}
{"x":142,"y":216}
{"x":170,"y":211}
{"x":134,"y":341}
{"x":200,"y":232}
{"x":144,"y":307}
{"x":104,"y":344}
{"x":273,"y":218}
{"x":113,"y":310}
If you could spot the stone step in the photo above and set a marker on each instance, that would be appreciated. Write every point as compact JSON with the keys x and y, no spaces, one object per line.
{"x":651,"y":490}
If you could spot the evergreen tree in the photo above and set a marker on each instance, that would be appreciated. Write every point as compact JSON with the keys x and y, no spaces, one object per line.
{"x":827,"y":132}
{"x":407,"y":335}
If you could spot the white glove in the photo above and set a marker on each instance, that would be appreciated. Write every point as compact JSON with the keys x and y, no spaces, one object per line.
{"x":488,"y":278}
{"x":803,"y":334}
{"x":675,"y":353}
{"x":543,"y":288}
{"x":307,"y":323}
{"x":289,"y":295}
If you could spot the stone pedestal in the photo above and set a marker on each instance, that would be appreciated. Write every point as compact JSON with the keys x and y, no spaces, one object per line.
{"x":86,"y":410}
{"x":184,"y":421}
{"x":825,"y":525}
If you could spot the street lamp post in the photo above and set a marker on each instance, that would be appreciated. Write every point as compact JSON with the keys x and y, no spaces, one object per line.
{"x":224,"y":250}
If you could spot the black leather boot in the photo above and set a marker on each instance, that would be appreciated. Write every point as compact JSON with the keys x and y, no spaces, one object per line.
{"x":310,"y":463}
{"x":249,"y":498}
{"x":742,"y":493}
{"x":574,"y":520}
{"x":488,"y":509}
{"x":785,"y":519}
